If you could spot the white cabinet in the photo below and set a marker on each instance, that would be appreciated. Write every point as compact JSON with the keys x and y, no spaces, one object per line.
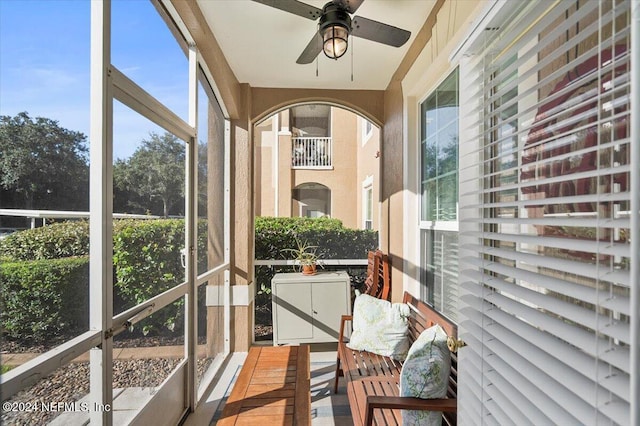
{"x":307,"y":309}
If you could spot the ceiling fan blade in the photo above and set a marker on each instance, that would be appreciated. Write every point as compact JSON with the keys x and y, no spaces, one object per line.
{"x":295,"y":7}
{"x":312,"y":50}
{"x":349,"y":5}
{"x":377,"y":31}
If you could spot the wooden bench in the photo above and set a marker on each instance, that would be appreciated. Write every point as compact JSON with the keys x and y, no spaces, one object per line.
{"x":273,"y":387}
{"x":373,"y":380}
{"x":378,"y":281}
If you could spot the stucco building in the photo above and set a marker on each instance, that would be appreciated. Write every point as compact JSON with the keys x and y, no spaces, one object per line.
{"x":317,"y":160}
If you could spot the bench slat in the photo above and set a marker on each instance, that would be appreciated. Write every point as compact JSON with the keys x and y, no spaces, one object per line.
{"x":234,"y":402}
{"x":378,"y":281}
{"x":269,"y":402}
{"x":302,"y":413}
{"x":385,"y":389}
{"x":266,"y":420}
{"x":380,"y":366}
{"x":266,"y":410}
{"x":273,"y":387}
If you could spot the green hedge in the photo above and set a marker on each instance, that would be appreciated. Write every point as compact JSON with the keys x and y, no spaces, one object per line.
{"x":333,"y":240}
{"x":146,"y":258}
{"x":136,"y":238}
{"x":41,"y":293}
{"x":146,"y":262}
{"x":55,"y":241}
{"x":43,"y":299}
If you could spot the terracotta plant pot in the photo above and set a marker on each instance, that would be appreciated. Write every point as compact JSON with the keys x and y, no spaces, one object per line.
{"x":308,"y":269}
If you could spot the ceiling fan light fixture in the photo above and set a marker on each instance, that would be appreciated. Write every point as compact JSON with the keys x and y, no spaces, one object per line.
{"x":335,"y":27}
{"x":335,"y":41}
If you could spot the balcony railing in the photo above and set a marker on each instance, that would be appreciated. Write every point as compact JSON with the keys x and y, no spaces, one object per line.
{"x":311,"y":153}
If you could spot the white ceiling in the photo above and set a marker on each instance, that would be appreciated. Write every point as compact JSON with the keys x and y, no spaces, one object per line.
{"x":262,"y":44}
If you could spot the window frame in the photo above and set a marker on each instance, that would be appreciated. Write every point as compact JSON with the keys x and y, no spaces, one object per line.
{"x":436,"y":225}
{"x":367,"y":188}
{"x":426,"y":290}
{"x":366,"y":130}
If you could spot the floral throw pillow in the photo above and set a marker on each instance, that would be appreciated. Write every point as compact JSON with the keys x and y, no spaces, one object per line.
{"x":425,"y":374}
{"x":380,"y":327}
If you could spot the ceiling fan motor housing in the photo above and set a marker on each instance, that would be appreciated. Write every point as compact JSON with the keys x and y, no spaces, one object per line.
{"x":335,"y":27}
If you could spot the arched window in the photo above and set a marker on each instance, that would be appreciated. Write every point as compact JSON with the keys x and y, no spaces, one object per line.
{"x":311,"y":200}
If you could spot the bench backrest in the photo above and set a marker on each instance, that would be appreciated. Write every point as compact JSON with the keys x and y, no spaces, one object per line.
{"x":378,"y":281}
{"x":422,"y":317}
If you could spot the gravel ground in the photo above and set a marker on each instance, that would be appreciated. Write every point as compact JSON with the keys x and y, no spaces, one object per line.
{"x":263,"y":329}
{"x":71,"y":383}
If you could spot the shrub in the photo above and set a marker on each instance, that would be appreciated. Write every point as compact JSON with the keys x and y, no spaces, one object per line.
{"x":71,"y":238}
{"x":334,"y":241}
{"x":42,"y":299}
{"x":55,"y":241}
{"x":146,"y":262}
{"x":40,"y":295}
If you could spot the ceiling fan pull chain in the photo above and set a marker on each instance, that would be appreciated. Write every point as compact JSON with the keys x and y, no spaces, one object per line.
{"x":352,"y":49}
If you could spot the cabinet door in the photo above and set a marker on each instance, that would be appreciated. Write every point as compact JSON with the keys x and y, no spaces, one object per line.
{"x":329,"y":303}
{"x":293,"y":312}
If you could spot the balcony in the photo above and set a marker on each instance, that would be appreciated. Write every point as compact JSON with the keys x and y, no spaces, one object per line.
{"x":311,"y":153}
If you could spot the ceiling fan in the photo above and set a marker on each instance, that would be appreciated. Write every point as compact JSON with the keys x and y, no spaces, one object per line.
{"x":335,"y":25}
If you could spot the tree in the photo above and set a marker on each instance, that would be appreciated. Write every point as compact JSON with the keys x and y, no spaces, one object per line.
{"x":202,"y":177}
{"x":44,"y":163}
{"x":155,"y":171}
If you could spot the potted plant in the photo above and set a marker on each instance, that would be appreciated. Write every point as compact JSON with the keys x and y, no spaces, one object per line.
{"x":305,"y":255}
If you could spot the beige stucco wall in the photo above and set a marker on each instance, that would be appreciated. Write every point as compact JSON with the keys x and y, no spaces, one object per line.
{"x":265,"y":180}
{"x":368,"y":165}
{"x":266,"y":101}
{"x":236,"y":98}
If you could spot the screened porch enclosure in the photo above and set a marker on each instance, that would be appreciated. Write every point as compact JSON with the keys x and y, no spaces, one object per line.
{"x":510,"y":200}
{"x":158,"y":330}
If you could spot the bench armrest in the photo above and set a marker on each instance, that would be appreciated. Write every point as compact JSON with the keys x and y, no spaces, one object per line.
{"x":343,"y":320}
{"x":448,"y":405}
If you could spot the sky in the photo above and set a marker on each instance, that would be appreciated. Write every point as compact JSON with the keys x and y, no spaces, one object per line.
{"x":45,"y":60}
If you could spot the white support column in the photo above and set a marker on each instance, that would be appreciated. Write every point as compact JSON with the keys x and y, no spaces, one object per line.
{"x":191,"y":220}
{"x":101,"y":212}
{"x":635,"y":213}
{"x":275,"y":165}
{"x":227,"y":236}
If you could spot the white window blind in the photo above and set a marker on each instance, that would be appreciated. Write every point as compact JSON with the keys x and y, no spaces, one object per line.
{"x":545,"y":228}
{"x":439,"y":273}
